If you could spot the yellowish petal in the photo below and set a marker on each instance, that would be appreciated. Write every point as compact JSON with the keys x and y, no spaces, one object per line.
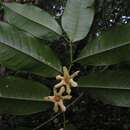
{"x":59,"y":84}
{"x":54,"y":91}
{"x":66,"y":72}
{"x":49,"y":99}
{"x":67,"y":97}
{"x":73,"y":83}
{"x":55,"y":108}
{"x":59,"y":77}
{"x":62,"y":106}
{"x":61,"y":91}
{"x":68,"y":89}
{"x":75,"y":74}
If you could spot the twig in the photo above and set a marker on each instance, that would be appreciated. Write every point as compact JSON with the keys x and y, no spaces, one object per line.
{"x":58,"y":113}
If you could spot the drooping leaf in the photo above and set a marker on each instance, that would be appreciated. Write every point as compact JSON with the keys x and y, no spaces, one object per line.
{"x":33,"y":20}
{"x":19,"y":96}
{"x":77,"y":18}
{"x":110,"y":47}
{"x":109,"y":87}
{"x":21,"y":51}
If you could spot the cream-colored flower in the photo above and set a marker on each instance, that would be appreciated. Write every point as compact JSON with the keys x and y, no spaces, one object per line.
{"x":67,"y":80}
{"x":57,"y":99}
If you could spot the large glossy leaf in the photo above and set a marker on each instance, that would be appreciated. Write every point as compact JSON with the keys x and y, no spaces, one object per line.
{"x":33,"y":20}
{"x":110,"y":47}
{"x":109,"y":87}
{"x":77,"y":18}
{"x":21,"y":51}
{"x":20,"y":96}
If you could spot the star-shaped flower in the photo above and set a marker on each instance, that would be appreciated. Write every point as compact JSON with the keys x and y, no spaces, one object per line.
{"x":57,"y":99}
{"x":67,"y":80}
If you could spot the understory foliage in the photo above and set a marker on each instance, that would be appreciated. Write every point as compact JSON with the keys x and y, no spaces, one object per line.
{"x":46,"y":45}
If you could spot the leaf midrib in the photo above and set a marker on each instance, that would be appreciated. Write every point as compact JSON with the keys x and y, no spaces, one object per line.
{"x":33,"y":21}
{"x":31,"y":56}
{"x":77,"y":23}
{"x":101,"y":87}
{"x":23,"y":99}
{"x":98,"y":53}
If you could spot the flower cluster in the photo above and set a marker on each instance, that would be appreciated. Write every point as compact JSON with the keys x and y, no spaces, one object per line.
{"x":65,"y":84}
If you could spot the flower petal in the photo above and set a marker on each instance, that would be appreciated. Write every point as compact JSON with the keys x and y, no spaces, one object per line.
{"x":68,"y":89}
{"x":55,"y":108}
{"x":75,"y":74}
{"x":59,"y":77}
{"x":66,"y":72}
{"x":49,"y":99}
{"x":59,"y":84}
{"x":62,"y":106}
{"x":73,"y":83}
{"x":61,"y":91}
{"x":67,"y":97}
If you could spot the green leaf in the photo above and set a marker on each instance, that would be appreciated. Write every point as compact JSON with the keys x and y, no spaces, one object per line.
{"x":19,"y":96}
{"x":77,"y":18}
{"x":110,"y":87}
{"x":33,"y":20}
{"x":110,"y":47}
{"x":21,"y":51}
